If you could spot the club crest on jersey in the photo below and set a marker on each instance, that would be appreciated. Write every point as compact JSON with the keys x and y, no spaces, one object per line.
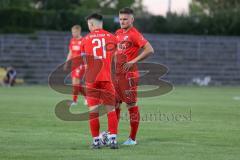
{"x":125,"y":38}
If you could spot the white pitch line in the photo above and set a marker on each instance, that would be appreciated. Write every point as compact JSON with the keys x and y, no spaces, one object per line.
{"x":237,"y":98}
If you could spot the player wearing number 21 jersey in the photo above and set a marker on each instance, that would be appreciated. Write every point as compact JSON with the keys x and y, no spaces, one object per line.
{"x":99,"y":86}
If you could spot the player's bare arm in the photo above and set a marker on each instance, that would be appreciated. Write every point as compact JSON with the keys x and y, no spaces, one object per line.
{"x":147,"y":51}
{"x":67,"y":60}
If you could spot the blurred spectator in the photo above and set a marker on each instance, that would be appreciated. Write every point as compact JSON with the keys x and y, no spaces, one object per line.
{"x":10,"y":78}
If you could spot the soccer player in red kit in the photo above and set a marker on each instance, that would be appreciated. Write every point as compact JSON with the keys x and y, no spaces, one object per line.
{"x":130,"y":42}
{"x":98,"y":80}
{"x":77,"y":68}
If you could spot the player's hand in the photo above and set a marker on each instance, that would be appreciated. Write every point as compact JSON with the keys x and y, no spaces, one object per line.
{"x":127,"y":66}
{"x":65,"y":67}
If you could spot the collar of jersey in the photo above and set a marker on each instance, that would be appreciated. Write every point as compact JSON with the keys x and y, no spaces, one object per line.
{"x":97,"y":30}
{"x":125,"y":31}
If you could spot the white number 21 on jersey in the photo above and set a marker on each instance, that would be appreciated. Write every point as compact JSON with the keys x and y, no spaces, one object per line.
{"x":101,"y":44}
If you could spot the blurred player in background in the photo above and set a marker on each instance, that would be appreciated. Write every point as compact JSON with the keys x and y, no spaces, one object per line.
{"x":130,"y":42}
{"x":99,"y":85}
{"x":10,"y":78}
{"x":77,"y":68}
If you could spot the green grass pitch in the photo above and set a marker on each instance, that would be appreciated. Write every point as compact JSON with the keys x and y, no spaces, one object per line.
{"x":188,"y":123}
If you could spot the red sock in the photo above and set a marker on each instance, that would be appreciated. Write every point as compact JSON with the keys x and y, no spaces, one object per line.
{"x":81,"y":90}
{"x":75,"y":93}
{"x":118,"y":111}
{"x":94,"y":124}
{"x":112,"y":122}
{"x":134,"y":121}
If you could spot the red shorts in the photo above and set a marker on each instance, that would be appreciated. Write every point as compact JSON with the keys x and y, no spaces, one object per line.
{"x":126,"y":87}
{"x":100,"y":92}
{"x":78,"y":72}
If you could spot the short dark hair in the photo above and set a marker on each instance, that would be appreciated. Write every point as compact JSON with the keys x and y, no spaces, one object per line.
{"x":96,"y":16}
{"x":126,"y":10}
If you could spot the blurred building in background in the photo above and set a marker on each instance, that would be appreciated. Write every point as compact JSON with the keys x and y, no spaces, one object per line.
{"x":201,"y":47}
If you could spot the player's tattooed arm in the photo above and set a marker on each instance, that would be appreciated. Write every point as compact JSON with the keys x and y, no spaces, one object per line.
{"x":66,"y":65}
{"x":147,"y":51}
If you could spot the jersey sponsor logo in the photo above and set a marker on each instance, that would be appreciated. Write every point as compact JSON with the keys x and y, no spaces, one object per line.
{"x":124,"y":45}
{"x":75,"y":48}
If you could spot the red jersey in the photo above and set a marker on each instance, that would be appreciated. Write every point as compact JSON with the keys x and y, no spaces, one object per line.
{"x":74,"y":47}
{"x":129,"y":44}
{"x":99,"y":58}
